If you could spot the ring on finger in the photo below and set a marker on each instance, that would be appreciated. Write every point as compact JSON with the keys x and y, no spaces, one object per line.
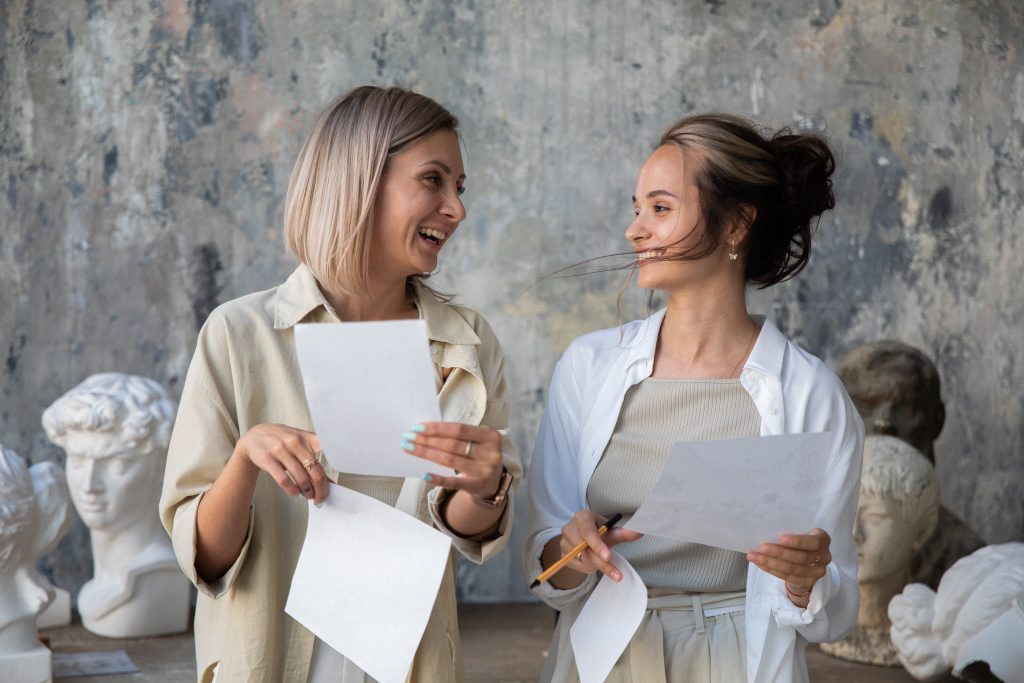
{"x":308,"y":465}
{"x":579,"y":556}
{"x":469,"y":448}
{"x":817,"y":558}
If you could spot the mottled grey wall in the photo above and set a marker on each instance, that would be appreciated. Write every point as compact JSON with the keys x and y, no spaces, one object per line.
{"x":145,"y":149}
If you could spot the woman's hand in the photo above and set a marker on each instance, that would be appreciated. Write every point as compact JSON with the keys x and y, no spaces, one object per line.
{"x":595,"y":558}
{"x":289,"y":456}
{"x":473,"y":452}
{"x":797,"y":559}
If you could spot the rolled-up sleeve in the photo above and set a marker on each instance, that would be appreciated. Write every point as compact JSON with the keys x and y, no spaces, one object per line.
{"x":835,"y":598}
{"x":203,"y":439}
{"x":480,"y":548}
{"x":553,"y":492}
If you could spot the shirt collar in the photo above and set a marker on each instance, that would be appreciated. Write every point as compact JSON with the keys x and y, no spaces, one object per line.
{"x":444,"y":324}
{"x":297,"y":298}
{"x":765,"y":357}
{"x":300,"y":295}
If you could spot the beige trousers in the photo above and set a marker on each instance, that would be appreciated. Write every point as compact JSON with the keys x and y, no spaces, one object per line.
{"x":683,"y":638}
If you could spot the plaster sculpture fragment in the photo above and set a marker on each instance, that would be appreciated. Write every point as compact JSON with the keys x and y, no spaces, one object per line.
{"x":897,"y":391}
{"x":973,"y":625}
{"x":115,"y":429}
{"x":34,"y":514}
{"x":896,"y":514}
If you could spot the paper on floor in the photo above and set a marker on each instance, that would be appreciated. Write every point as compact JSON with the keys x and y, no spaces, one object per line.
{"x":366,"y":581}
{"x":607,"y":622}
{"x":367,"y":384}
{"x":739,"y":493}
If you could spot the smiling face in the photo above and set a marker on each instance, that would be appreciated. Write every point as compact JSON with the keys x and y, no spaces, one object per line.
{"x":418,"y":206}
{"x":112,"y":491}
{"x":668,"y":223}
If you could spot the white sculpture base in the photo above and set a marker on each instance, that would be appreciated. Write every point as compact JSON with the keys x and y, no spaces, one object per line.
{"x":157,"y":605}
{"x":868,"y":645}
{"x":27,"y":667}
{"x":57,"y":613}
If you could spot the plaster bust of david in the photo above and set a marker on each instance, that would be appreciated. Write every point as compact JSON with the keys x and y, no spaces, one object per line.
{"x":896,"y":515}
{"x":34,"y":515}
{"x":115,"y":429}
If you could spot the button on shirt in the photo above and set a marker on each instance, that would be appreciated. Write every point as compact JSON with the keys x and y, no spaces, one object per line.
{"x":244,"y":373}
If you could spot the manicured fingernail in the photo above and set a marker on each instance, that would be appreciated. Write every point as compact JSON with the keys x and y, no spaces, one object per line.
{"x":408,"y":436}
{"x":606,"y":555}
{"x":319,"y":505}
{"x":419,"y":428}
{"x":427,"y":477}
{"x":407,"y":446}
{"x":752,"y":556}
{"x":617,"y":576}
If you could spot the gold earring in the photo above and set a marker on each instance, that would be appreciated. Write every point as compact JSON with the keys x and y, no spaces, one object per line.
{"x":732,"y":251}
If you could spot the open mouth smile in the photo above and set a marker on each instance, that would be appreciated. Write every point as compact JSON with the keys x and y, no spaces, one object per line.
{"x":650,"y":253}
{"x":433,"y":235}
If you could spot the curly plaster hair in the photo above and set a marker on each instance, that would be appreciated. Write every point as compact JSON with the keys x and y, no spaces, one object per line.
{"x":892,"y":467}
{"x":132,"y":407}
{"x":929,"y":628}
{"x":34,"y":509}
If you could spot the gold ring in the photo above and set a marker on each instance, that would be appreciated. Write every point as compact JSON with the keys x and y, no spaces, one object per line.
{"x":469,"y":448}
{"x":817,"y":558}
{"x":308,"y":465}
{"x":579,"y":556}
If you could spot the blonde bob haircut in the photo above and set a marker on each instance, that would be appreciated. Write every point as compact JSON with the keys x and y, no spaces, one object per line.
{"x":328,"y":211}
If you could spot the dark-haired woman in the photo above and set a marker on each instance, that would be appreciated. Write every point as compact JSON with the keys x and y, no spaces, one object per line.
{"x":718,"y":207}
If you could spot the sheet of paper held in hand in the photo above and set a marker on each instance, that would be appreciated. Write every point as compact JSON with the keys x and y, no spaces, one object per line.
{"x":738,"y":493}
{"x":366,"y":581}
{"x":366,"y":385}
{"x":607,"y":622}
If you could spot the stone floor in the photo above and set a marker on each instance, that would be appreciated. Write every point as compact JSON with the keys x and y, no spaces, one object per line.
{"x":501,"y":643}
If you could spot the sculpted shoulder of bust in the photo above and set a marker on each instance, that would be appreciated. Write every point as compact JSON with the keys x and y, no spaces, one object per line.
{"x":115,"y":429}
{"x":34,"y":515}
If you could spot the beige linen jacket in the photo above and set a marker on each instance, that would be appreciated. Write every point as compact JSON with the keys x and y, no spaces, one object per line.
{"x":244,"y":373}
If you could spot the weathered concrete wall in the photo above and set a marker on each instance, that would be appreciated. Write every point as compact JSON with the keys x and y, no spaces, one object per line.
{"x":146,"y":147}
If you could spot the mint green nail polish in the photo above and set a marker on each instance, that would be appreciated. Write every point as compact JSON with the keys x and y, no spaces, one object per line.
{"x":319,"y":505}
{"x":427,"y":477}
{"x":407,"y":445}
{"x":408,"y":436}
{"x":419,"y":428}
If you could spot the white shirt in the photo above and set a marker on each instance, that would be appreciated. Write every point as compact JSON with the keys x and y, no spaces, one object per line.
{"x":794,"y":393}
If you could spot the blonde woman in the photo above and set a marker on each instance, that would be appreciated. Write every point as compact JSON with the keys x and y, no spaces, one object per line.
{"x":373,"y":199}
{"x":718,"y":207}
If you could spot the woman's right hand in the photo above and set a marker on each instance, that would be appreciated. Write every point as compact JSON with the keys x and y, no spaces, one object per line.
{"x":597,"y":557}
{"x":289,"y":456}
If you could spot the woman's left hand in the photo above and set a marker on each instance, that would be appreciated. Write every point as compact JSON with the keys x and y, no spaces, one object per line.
{"x":797,"y":559}
{"x":473,"y":452}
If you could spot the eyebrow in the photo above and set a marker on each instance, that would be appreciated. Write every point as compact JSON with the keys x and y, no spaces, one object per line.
{"x":444,"y":167}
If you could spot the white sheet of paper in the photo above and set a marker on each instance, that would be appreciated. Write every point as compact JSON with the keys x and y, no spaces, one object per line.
{"x":366,"y":581}
{"x":738,"y":493}
{"x":607,"y":622}
{"x":367,"y":384}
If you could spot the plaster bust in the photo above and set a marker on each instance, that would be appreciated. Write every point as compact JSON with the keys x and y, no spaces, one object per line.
{"x":896,"y":514}
{"x":897,"y":391}
{"x":973,"y":625}
{"x":115,"y":429}
{"x":34,"y":514}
